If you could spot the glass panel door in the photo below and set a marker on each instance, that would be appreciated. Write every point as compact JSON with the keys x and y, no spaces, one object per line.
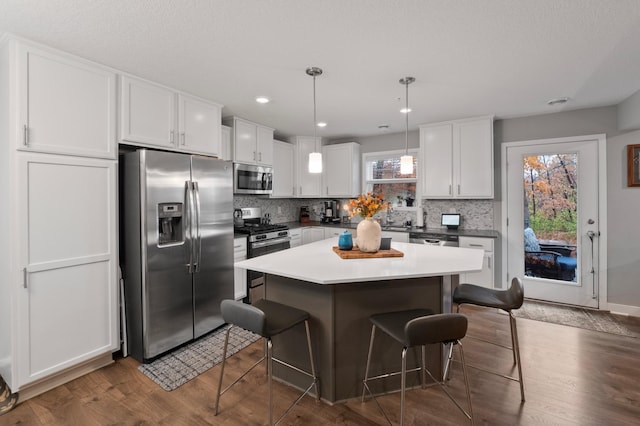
{"x":552,"y":210}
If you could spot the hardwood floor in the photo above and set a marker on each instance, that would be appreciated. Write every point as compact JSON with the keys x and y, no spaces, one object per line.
{"x":572,"y":377}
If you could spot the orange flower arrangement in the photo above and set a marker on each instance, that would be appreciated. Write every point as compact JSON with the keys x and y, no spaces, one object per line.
{"x":366,"y":205}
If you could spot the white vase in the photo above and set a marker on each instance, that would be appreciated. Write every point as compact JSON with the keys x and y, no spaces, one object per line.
{"x":368,"y":235}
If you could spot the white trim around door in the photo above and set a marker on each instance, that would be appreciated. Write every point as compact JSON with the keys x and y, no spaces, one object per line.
{"x":600,"y":140}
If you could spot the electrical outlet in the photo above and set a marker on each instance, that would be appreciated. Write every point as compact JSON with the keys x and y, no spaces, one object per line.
{"x":452,"y":210}
{"x":279,"y":210}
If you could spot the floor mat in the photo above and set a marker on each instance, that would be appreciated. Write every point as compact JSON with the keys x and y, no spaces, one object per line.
{"x":178,"y":367}
{"x":589,"y":319}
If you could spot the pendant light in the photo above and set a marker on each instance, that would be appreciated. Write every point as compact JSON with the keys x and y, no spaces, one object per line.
{"x":315,"y":158}
{"x":406,"y":161}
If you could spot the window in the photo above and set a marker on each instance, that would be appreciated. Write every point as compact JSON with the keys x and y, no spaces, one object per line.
{"x":382,"y":176}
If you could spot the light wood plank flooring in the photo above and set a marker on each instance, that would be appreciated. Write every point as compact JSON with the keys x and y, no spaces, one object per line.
{"x":572,"y":377}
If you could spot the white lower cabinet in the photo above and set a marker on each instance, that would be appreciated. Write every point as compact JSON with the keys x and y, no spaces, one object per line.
{"x":67,"y":297}
{"x":296,"y":237}
{"x":335,"y":232}
{"x":484,"y":278}
{"x":312,"y":234}
{"x":240,"y":275}
{"x":398,"y":237}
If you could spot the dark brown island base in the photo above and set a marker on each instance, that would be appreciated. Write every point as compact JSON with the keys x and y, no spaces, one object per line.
{"x":341,"y":294}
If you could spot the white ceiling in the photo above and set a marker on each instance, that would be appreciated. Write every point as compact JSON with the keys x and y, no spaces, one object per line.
{"x":469,"y":57}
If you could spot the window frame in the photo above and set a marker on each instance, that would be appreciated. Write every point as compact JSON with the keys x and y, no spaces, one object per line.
{"x":381,"y":155}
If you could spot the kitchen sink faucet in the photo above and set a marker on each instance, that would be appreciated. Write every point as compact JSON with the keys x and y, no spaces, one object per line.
{"x":387,"y":220}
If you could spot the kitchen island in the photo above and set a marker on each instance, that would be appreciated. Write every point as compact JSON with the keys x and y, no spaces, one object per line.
{"x":341,"y":294}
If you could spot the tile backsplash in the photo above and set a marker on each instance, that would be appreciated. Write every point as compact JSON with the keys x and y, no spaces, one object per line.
{"x":475,"y":214}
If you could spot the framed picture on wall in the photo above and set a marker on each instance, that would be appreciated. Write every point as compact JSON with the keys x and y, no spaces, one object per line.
{"x":633,"y":165}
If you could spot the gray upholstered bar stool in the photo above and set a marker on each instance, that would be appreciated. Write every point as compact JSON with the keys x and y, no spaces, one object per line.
{"x":412,"y":328}
{"x":267,"y":319}
{"x":507,"y":300}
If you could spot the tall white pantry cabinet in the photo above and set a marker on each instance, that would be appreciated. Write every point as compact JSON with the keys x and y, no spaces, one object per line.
{"x":58,"y":251}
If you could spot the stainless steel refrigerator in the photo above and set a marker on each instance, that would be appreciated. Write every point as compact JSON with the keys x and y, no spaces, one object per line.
{"x":176,"y":247}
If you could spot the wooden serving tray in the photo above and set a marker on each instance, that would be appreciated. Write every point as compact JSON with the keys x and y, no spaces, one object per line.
{"x":355,"y":253}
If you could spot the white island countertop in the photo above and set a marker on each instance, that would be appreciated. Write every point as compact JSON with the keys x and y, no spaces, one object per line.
{"x":318,"y":263}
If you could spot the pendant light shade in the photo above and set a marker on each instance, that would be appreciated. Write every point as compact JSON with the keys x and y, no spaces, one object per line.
{"x":315,"y":158}
{"x":406,"y":164}
{"x":315,"y":162}
{"x":406,"y":161}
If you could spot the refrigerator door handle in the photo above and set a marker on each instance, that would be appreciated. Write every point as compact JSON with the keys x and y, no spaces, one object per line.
{"x":198,"y":239}
{"x":189,"y":215}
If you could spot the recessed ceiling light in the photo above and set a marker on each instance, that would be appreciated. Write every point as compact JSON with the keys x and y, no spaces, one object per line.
{"x":557,"y":101}
{"x":322,"y":124}
{"x":262,"y":99}
{"x":405,"y":110}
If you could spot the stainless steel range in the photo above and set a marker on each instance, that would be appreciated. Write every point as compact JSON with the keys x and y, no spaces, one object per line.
{"x":263,"y":238}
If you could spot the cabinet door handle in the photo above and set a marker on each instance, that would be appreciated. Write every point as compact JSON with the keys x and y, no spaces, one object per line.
{"x":183,"y":138}
{"x":172,"y":137}
{"x":26,"y":135}
{"x":293,"y":190}
{"x":449,"y":189}
{"x":488,"y":263}
{"x":24,"y":278}
{"x":476,"y":245}
{"x":458,"y":189}
{"x":327,"y":190}
{"x":260,"y":156}
{"x":300,"y":193}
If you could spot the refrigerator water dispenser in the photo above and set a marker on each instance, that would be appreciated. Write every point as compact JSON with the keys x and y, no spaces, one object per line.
{"x":170,"y":224}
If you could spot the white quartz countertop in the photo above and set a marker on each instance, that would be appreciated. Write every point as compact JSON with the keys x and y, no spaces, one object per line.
{"x":318,"y":263}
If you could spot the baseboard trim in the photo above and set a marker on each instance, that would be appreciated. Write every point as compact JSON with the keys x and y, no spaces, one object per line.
{"x":35,"y":389}
{"x":633,"y":311}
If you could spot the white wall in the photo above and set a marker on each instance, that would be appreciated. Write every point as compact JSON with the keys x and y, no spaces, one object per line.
{"x":629,"y":113}
{"x":384,"y":141}
{"x":623,"y":227}
{"x":623,"y":204}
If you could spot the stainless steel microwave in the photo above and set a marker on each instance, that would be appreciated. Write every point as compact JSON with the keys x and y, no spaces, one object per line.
{"x":252,"y":179}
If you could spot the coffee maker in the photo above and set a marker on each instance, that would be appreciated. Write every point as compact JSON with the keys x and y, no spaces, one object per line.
{"x":331,"y":213}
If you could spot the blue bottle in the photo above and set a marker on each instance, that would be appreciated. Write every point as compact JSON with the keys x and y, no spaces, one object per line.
{"x":345,"y":241}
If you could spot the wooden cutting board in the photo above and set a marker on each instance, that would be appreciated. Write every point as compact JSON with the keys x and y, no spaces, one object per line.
{"x":354,"y":253}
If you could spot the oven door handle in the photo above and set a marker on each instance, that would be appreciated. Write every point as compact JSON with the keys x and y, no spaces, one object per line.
{"x":270,"y":242}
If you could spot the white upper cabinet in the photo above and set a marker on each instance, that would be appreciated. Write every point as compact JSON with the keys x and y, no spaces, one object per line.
{"x":65,"y":105}
{"x":308,"y":184}
{"x":457,"y":159}
{"x":225,"y":143}
{"x":148,"y":113}
{"x":251,"y":143}
{"x":199,"y":125}
{"x":341,"y":170}
{"x":156,"y":116}
{"x":283,"y":169}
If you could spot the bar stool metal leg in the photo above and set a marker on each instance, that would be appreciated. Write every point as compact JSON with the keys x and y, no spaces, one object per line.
{"x":505,"y":300}
{"x":366,"y":370}
{"x":267,"y":319}
{"x":413,"y":329}
{"x":516,"y":353}
{"x":313,"y":365}
{"x":270,"y":378}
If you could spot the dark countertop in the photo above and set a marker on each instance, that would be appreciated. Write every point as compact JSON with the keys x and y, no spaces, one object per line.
{"x":461,"y":232}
